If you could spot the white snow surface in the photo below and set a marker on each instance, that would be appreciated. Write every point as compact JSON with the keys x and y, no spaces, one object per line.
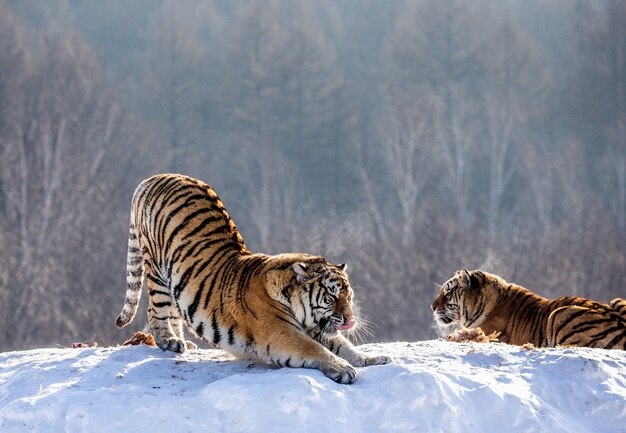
{"x":432,"y":386}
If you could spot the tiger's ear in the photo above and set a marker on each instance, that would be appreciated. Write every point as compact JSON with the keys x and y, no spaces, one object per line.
{"x":464,"y":279}
{"x":342,"y":267}
{"x":301,"y":271}
{"x":476,"y":280}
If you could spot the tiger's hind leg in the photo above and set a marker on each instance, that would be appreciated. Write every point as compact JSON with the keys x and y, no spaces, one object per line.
{"x":167,"y":336}
{"x":176,"y":322}
{"x":585,"y":327}
{"x":619,"y":305}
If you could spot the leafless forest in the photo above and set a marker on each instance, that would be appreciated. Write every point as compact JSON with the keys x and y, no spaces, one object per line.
{"x":406,"y":138}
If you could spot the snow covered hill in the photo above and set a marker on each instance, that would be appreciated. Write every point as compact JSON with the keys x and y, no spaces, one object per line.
{"x":433,"y":386}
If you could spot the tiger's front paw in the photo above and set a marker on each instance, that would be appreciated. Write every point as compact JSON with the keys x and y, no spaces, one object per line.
{"x":191,"y":345}
{"x":365,"y":361}
{"x":173,"y":344}
{"x":341,"y":373}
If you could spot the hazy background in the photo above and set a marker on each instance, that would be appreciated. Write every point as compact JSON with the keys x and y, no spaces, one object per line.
{"x":406,"y":138}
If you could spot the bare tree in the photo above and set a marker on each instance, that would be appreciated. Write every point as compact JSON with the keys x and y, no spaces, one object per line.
{"x":616,"y":51}
{"x":439,"y":47}
{"x":177,"y":68}
{"x":12,"y":65}
{"x":514,"y":88}
{"x":600,"y":89}
{"x":288,"y":110}
{"x":60,"y":127}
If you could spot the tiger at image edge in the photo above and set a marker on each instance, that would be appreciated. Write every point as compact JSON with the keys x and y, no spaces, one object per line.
{"x":479,"y":299}
{"x":285,"y":309}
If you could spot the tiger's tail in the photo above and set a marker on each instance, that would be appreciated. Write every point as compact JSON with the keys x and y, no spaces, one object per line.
{"x":134,"y":275}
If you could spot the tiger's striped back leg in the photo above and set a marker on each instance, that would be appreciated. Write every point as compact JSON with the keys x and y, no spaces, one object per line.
{"x":585,"y":327}
{"x":167,"y":330}
{"x":619,"y":305}
{"x":134,"y":277}
{"x":176,"y":322}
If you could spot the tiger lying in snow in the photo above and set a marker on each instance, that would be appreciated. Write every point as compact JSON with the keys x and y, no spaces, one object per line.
{"x":475,"y":298}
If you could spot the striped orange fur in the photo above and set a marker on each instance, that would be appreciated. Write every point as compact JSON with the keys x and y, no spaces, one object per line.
{"x":480,"y":299}
{"x":285,"y":309}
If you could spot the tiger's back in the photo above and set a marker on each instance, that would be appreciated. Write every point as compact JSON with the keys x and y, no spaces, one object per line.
{"x":178,"y":230}
{"x":599,"y":326}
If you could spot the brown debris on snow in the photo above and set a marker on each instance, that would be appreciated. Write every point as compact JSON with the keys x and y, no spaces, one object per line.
{"x":81,"y":345}
{"x":464,"y":335}
{"x":140,"y":338}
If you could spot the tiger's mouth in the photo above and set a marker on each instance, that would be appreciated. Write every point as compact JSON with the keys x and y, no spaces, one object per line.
{"x":442,"y":318}
{"x":333,"y":324}
{"x":347,"y":324}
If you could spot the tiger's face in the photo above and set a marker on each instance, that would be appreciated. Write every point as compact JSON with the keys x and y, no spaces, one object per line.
{"x":460,"y":300}
{"x":329,"y":295}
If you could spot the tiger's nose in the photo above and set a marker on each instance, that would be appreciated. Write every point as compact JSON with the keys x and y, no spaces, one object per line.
{"x":433,"y":306}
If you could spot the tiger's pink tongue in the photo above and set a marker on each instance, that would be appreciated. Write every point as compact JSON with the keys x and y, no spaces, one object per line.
{"x":348,"y":325}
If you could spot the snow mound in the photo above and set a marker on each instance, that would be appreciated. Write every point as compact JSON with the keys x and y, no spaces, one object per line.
{"x":433,"y":386}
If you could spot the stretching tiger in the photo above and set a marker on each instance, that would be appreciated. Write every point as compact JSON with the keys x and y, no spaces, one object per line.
{"x":475,"y":298}
{"x":286,"y":309}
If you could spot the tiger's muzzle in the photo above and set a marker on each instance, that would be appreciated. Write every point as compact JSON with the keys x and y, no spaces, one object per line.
{"x":348,"y":324}
{"x":442,"y":318}
{"x":334,"y":324}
